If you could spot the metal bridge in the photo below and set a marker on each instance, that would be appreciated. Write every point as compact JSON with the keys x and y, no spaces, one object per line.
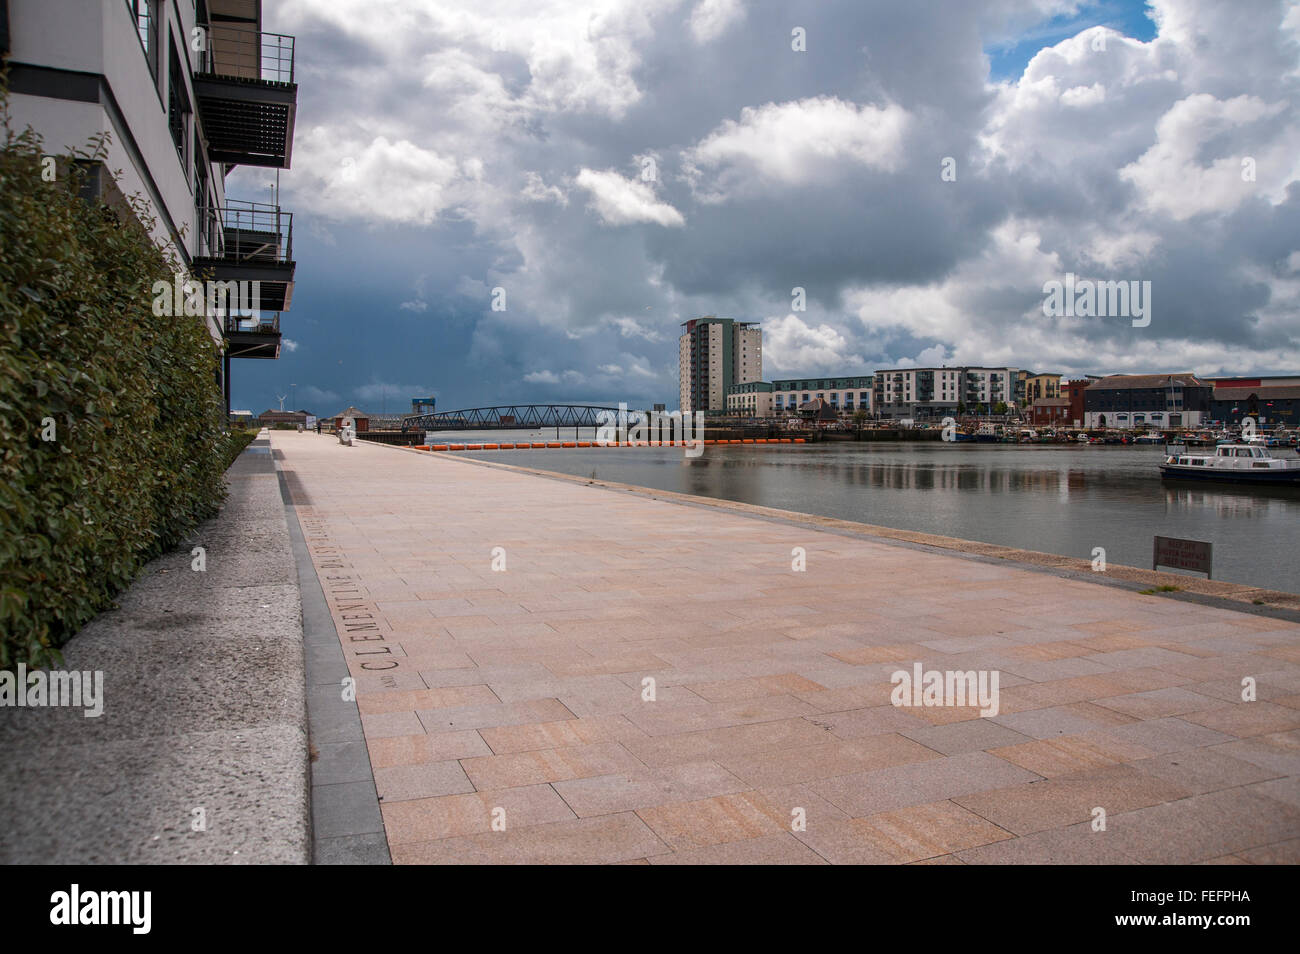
{"x":510,"y":417}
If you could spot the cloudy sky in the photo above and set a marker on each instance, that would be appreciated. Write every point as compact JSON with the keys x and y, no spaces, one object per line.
{"x":608,"y":169}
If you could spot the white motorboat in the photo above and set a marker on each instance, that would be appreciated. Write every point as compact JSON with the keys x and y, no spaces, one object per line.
{"x":1238,"y":463}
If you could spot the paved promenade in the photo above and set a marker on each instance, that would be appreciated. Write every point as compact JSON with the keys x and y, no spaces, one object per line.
{"x":503,"y":629}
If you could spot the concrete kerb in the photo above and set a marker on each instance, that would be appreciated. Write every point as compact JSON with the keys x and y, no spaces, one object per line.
{"x":1237,"y":597}
{"x":347,"y":826}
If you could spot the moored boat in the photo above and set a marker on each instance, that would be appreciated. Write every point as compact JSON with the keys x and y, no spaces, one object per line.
{"x":1237,"y":463}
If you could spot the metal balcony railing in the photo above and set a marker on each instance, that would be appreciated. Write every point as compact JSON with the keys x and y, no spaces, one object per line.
{"x":249,"y":233}
{"x":233,"y":52}
{"x":265,"y":325}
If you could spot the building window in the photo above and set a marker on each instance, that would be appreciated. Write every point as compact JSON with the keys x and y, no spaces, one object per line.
{"x":178,"y":105}
{"x":200,"y":173}
{"x":146,"y":27}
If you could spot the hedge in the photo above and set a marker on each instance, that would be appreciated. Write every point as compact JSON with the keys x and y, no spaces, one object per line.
{"x":129,"y":399}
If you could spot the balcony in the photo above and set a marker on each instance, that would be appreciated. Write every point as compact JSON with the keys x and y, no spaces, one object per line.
{"x":253,"y":337}
{"x":250,"y":242}
{"x":247,"y":96}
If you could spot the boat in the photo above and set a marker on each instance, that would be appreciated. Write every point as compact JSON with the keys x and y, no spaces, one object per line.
{"x":987,"y":434}
{"x":1236,"y":463}
{"x":1028,"y":436}
{"x":1083,"y":438}
{"x":1267,"y":440}
{"x":1151,"y":437}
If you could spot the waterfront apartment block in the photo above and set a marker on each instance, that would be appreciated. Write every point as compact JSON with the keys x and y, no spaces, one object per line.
{"x":1138,"y":401}
{"x":751,"y":399}
{"x":845,"y":395}
{"x":933,"y":393}
{"x":1039,"y":387}
{"x":715,"y":354}
{"x":187,"y":90}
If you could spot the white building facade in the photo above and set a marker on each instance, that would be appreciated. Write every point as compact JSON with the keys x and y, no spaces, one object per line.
{"x":186,"y":90}
{"x":751,"y":399}
{"x":932,"y":393}
{"x":847,"y":394}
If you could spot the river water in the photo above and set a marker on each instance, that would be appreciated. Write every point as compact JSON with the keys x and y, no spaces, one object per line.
{"x":1053,"y":498}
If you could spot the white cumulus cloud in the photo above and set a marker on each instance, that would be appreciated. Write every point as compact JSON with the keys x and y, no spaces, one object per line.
{"x":792,"y":346}
{"x":711,"y":18}
{"x":791,"y":143}
{"x":621,"y":201}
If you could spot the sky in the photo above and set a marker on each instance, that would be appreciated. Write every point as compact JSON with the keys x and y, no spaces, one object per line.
{"x":501,"y":201}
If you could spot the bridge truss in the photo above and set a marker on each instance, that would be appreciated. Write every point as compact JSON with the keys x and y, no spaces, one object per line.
{"x":510,"y":417}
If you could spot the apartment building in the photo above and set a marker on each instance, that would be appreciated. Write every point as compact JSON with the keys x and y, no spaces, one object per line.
{"x":846,"y":394}
{"x":751,"y":399}
{"x":715,"y":354}
{"x":187,"y":90}
{"x":1041,"y":387}
{"x":933,"y":393}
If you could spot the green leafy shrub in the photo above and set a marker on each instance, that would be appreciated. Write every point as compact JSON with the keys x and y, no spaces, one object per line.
{"x":129,"y":398}
{"x":235,"y":441}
